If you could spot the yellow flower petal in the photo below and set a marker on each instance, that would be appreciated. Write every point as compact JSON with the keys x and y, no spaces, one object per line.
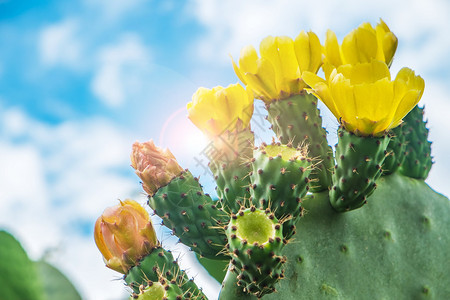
{"x":248,"y":59}
{"x":387,"y":42}
{"x":321,"y":91}
{"x":219,"y":109}
{"x":365,"y":72}
{"x":332,"y":49}
{"x":238,"y":72}
{"x":360,"y":45}
{"x":308,"y":51}
{"x":364,"y":99}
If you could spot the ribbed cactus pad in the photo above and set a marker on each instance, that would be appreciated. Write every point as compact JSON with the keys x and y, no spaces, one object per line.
{"x":279,"y":181}
{"x":18,"y":275}
{"x":297,"y":120}
{"x":418,"y":160}
{"x":233,"y":183}
{"x":359,"y":163}
{"x":394,"y":248}
{"x":157,"y":265}
{"x":255,"y":242}
{"x":192,"y":215}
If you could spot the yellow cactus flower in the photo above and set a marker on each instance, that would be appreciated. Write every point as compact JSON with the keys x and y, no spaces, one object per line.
{"x":364,"y":99}
{"x":156,"y":167}
{"x":277,"y":73}
{"x":220,"y":109}
{"x":360,"y":46}
{"x":124,"y":234}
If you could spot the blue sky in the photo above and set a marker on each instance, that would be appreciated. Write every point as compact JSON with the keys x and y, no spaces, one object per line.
{"x":80,"y":81}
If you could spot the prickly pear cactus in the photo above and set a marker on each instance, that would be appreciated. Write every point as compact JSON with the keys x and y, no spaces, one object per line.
{"x":295,"y":219}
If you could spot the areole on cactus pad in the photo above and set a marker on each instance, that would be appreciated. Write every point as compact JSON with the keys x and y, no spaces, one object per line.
{"x":295,"y":219}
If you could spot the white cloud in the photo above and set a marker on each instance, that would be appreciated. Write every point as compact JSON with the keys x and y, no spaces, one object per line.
{"x":54,"y":177}
{"x":123,"y":69}
{"x":54,"y":182}
{"x":230,"y":25}
{"x":59,"y":44}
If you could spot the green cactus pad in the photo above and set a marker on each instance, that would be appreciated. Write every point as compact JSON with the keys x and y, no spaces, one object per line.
{"x":192,"y":215}
{"x":359,"y":161}
{"x":160,"y":264}
{"x":153,"y":291}
{"x":19,"y":279}
{"x":395,"y":151}
{"x":394,"y":248}
{"x":162,"y":290}
{"x":418,"y":160}
{"x":229,"y":163}
{"x":297,"y":120}
{"x":233,"y":184}
{"x":279,"y":181}
{"x":255,"y":243}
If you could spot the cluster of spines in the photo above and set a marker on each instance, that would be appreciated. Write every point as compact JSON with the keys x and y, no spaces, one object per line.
{"x":255,"y":241}
{"x":297,"y":120}
{"x":158,"y":264}
{"x":418,"y":159}
{"x":359,"y":163}
{"x":279,"y":182}
{"x":191,"y":215}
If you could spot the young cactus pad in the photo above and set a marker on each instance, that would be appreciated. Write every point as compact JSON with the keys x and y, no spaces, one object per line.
{"x":279,"y":182}
{"x":191,"y":214}
{"x":160,"y":264}
{"x":255,"y":242}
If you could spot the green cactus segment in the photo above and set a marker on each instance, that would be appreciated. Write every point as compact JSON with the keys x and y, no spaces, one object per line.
{"x":255,"y":242}
{"x":297,"y":120}
{"x":229,"y":163}
{"x":396,"y":247}
{"x":395,"y":151}
{"x":153,"y":291}
{"x":160,"y":264}
{"x":233,"y":184}
{"x":418,"y":160}
{"x":230,"y":289}
{"x":359,"y":161}
{"x":192,"y":215}
{"x":162,"y":290}
{"x":19,"y":279}
{"x":279,"y":181}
